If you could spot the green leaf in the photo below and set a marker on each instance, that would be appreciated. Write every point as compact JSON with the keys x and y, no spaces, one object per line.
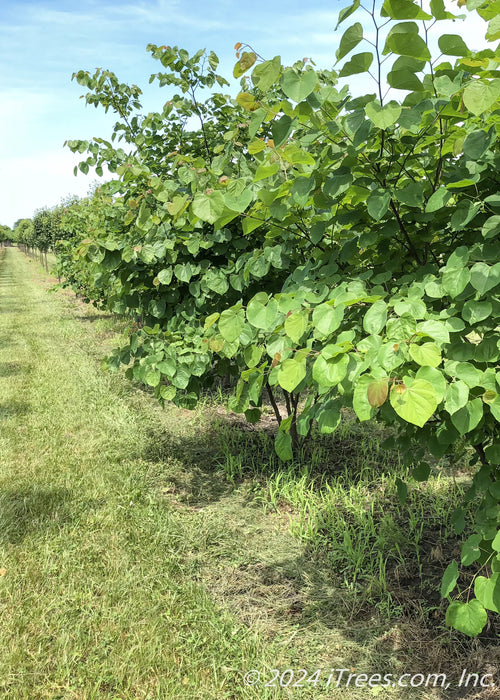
{"x":491,"y":227}
{"x":156,"y":307}
{"x":168,"y":392}
{"x":265,"y":74}
{"x":349,"y":40}
{"x":298,"y":86}
{"x":283,"y":446}
{"x":404,"y":80}
{"x":468,"y":417}
{"x":415,"y":401}
{"x":253,"y":415}
{"x":402,"y":77}
{"x":452,"y":45}
{"x":281,"y":129}
{"x":404,"y":40}
{"x":445,"y":87}
{"x":210,"y":320}
{"x":427,"y":354}
{"x":252,"y":355}
{"x":377,"y":392}
{"x":347,"y":12}
{"x":412,"y":194}
{"x":493,"y":32}
{"x":402,"y":490}
{"x":360,"y":402}
{"x":492,"y":453}
{"x":240,"y":202}
{"x":495,"y":407}
{"x":165,"y":275}
{"x":421,"y":472}
{"x":468,"y":373}
{"x":301,"y":189}
{"x":246,"y":61}
{"x":476,"y":311}
{"x":184,"y":272}
{"x":476,"y":144}
{"x":377,"y":204}
{"x":338,"y":182}
{"x":456,"y":396}
{"x":297,"y":156}
{"x":359,"y":63}
{"x":403,"y":9}
{"x":457,"y":520}
{"x":471,"y":551}
{"x":436,"y":330}
{"x":439,"y":11}
{"x":496,"y":542}
{"x":327,"y":318}
{"x":480,"y":95}
{"x":329,"y":417}
{"x":375,"y":318}
{"x":261,"y":312}
{"x":208,"y":207}
{"x":434,"y":377}
{"x":464,"y":213}
{"x":485,"y":277}
{"x":438,"y":200}
{"x":402,"y":328}
{"x":231,"y":323}
{"x":264,"y":171}
{"x":455,"y":280}
{"x":450,"y":578}
{"x":383,"y":117}
{"x":152,"y":377}
{"x":469,"y":618}
{"x":487,"y":591}
{"x":330,"y":372}
{"x":251,"y":221}
{"x":216,"y":281}
{"x":247,"y":101}
{"x":295,"y":325}
{"x":291,"y":372}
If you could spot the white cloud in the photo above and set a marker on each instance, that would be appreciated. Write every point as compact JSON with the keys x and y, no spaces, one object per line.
{"x":37,"y":181}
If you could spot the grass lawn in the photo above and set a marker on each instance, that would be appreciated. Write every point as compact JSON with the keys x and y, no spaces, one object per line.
{"x":149,"y":553}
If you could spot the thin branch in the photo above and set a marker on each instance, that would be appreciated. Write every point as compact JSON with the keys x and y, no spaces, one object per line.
{"x":273,"y":403}
{"x":405,"y":233}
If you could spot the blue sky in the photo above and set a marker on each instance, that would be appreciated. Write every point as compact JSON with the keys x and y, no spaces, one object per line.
{"x":43,"y":43}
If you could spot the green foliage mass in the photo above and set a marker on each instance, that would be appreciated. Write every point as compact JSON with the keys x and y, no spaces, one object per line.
{"x":6,"y":234}
{"x":341,"y":249}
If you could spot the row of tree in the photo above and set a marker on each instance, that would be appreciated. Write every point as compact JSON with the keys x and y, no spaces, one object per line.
{"x":6,"y":235}
{"x":335,"y":250}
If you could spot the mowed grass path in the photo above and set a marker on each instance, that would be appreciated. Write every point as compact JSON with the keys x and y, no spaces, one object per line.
{"x":99,"y":589}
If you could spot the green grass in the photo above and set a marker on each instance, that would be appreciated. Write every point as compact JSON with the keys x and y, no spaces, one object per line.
{"x":160,"y":554}
{"x":342,"y":501}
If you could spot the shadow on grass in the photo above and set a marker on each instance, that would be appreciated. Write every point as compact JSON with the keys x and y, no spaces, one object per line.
{"x":91,"y":318}
{"x":26,"y":510}
{"x":8,"y":369}
{"x":14,"y":408}
{"x":199,"y":482}
{"x":10,"y":307}
{"x":397,"y":619}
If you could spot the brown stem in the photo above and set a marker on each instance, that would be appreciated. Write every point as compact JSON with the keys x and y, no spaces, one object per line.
{"x":273,"y":403}
{"x":405,"y":233}
{"x":480,"y":452}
